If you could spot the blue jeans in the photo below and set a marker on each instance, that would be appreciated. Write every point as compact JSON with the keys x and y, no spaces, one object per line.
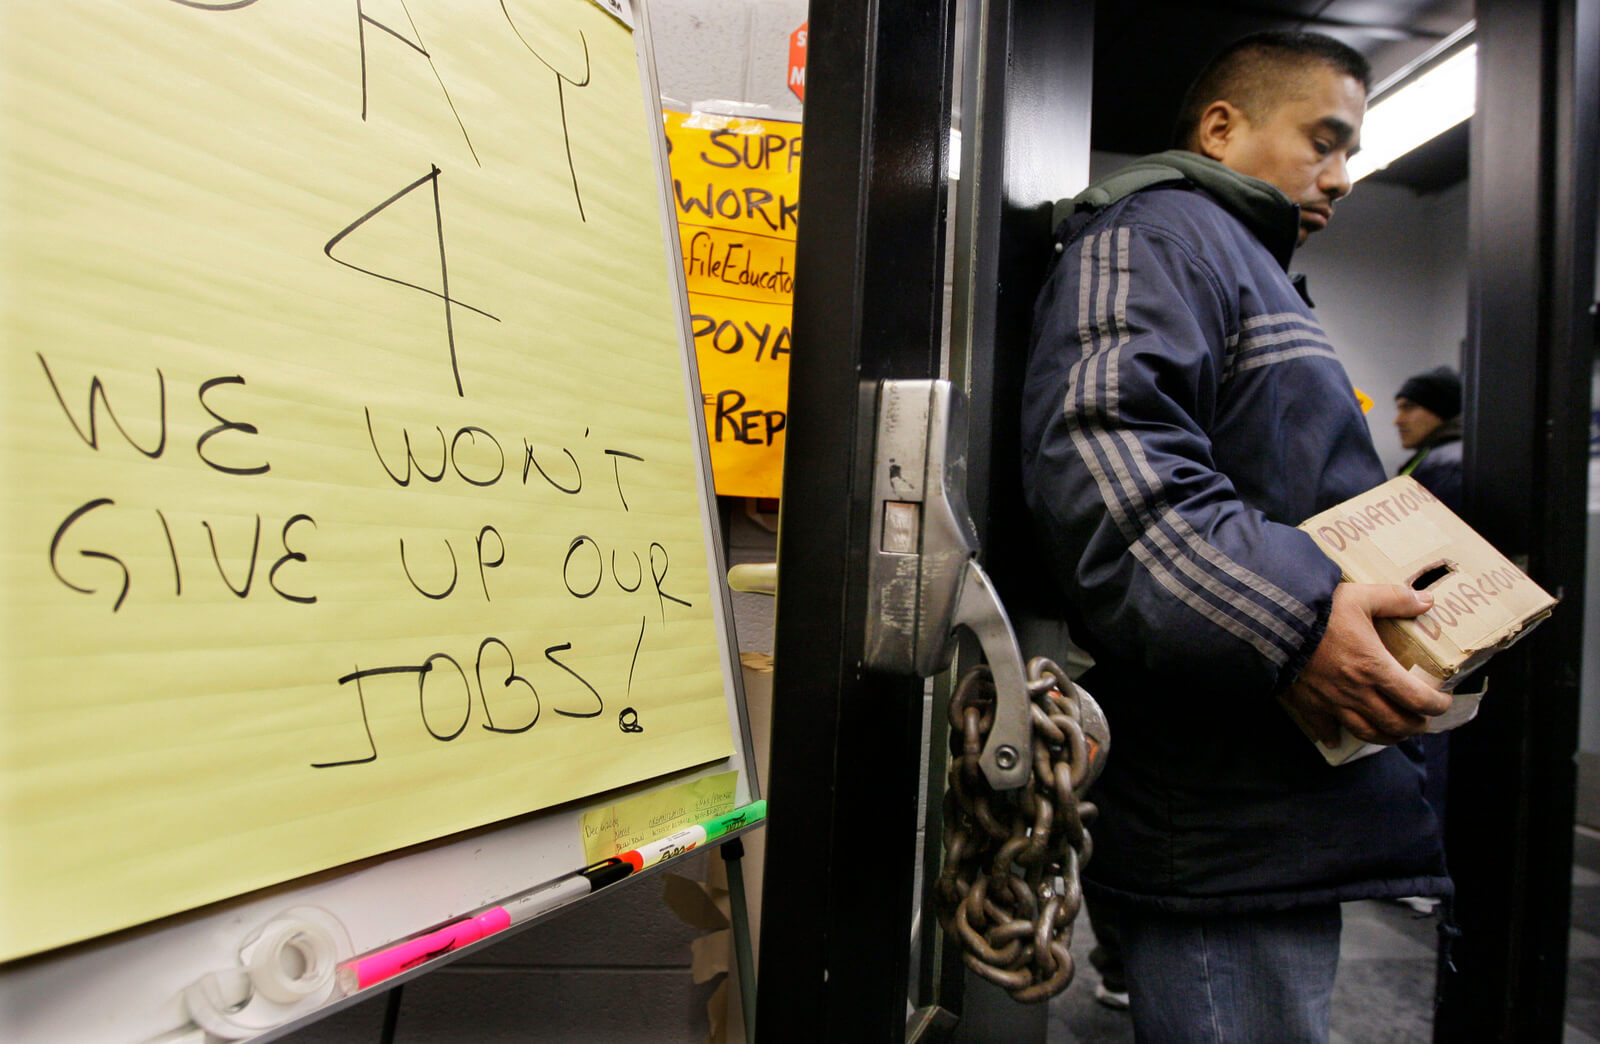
{"x":1259,"y":978}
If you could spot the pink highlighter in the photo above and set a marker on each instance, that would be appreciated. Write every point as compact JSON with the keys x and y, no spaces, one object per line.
{"x":385,"y":964}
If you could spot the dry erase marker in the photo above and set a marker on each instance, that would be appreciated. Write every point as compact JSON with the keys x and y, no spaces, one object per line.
{"x":376,"y":967}
{"x":666,"y":848}
{"x":574,"y":886}
{"x":385,"y":964}
{"x":739,"y":817}
{"x":691,"y":837}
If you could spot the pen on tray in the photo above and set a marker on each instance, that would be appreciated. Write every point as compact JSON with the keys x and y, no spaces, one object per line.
{"x":375,"y":967}
{"x":391,"y":961}
{"x":542,"y":900}
{"x":694,"y":836}
{"x":386,"y":963}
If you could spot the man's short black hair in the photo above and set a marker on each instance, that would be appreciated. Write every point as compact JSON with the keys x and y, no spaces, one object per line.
{"x":1256,"y":72}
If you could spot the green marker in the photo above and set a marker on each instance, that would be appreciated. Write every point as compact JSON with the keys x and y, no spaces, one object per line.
{"x":754,"y":812}
{"x":693,"y":837}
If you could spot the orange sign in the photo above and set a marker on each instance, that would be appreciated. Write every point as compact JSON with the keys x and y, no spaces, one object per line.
{"x":736,"y":190}
{"x":797,"y":61}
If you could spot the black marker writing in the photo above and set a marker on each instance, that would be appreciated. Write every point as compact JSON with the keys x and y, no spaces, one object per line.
{"x":638,"y":572}
{"x":227,"y":5}
{"x":225,"y":425}
{"x":484,"y":563}
{"x":255,"y":547}
{"x":661,"y":595}
{"x":484,"y":468}
{"x":362,"y":21}
{"x":288,"y":556}
{"x":635,"y":661}
{"x":422,"y":696}
{"x":410,"y":457}
{"x":97,"y":391}
{"x":512,"y":678}
{"x":530,"y":460}
{"x":753,"y":151}
{"x":361,"y":702}
{"x":172,"y":549}
{"x":566,"y":567}
{"x":561,"y":98}
{"x":141,"y":556}
{"x":728,"y":338}
{"x":432,"y":177}
{"x":600,"y":704}
{"x":431,"y":707}
{"x":617,"y":457}
{"x":55,"y":544}
{"x":743,"y":427}
{"x":455,"y":573}
{"x":472,"y":434}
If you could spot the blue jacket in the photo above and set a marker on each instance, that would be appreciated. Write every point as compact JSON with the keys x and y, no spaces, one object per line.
{"x":1437,"y":464}
{"x":1183,"y":411}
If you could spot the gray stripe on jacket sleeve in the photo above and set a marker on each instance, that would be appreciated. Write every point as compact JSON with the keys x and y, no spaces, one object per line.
{"x":1138,"y":509}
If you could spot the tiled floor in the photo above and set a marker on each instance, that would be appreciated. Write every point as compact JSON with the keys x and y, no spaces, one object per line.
{"x":1387,"y":970}
{"x":1384,"y":993}
{"x":1075,"y":1016}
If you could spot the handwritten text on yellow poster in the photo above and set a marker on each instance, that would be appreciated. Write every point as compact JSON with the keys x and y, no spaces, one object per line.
{"x":736,"y":185}
{"x":350,"y":485}
{"x":649,"y":817}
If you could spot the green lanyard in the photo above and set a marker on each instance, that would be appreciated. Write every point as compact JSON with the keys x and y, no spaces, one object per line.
{"x":1412,"y":466}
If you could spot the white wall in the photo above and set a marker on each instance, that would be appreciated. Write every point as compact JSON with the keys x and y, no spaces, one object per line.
{"x":732,"y":50}
{"x":1389,"y":278}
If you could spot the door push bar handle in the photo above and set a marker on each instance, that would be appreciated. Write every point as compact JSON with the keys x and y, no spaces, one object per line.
{"x":923,"y":575}
{"x":1007,"y":757}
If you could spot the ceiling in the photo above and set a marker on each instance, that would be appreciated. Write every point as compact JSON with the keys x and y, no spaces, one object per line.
{"x":1147,"y":51}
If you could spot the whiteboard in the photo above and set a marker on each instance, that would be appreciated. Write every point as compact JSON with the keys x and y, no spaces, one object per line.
{"x":194,"y":514}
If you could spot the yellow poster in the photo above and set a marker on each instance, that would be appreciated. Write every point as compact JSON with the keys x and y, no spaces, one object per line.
{"x":350,"y":478}
{"x":736,"y":185}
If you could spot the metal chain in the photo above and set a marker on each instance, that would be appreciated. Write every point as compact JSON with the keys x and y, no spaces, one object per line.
{"x":1009,"y":888}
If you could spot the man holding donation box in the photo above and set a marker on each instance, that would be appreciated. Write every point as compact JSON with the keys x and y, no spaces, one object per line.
{"x":1183,"y":412}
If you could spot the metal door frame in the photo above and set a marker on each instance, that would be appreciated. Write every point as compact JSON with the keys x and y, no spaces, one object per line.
{"x":1530,"y":350}
{"x":841,"y":839}
{"x":845,"y":763}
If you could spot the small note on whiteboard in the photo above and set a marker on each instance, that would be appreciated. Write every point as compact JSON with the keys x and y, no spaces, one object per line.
{"x":621,"y":10}
{"x":637,"y":821}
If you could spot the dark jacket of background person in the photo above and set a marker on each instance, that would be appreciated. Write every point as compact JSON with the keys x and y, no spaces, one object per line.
{"x":1437,"y":463}
{"x":1182,"y":412}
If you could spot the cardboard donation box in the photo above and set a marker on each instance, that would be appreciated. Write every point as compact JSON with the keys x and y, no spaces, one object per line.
{"x":1399,"y":533}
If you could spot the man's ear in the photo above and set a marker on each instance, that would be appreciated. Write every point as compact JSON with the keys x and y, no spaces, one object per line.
{"x":1219,"y":124}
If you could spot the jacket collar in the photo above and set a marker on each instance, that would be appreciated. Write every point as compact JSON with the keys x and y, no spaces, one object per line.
{"x":1269,"y":214}
{"x":1449,"y":431}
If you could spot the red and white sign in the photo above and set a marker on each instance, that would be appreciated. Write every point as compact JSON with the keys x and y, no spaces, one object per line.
{"x":797,"y":61}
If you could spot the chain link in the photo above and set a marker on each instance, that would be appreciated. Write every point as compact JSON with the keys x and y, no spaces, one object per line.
{"x":1009,"y":888}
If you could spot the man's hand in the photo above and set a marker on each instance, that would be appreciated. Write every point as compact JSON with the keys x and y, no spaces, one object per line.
{"x":1352,"y":680}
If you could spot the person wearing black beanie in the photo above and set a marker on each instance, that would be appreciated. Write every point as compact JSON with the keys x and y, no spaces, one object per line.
{"x":1428,"y":417}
